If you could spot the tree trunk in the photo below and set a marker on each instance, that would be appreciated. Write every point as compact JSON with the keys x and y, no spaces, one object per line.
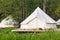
{"x":21,"y":18}
{"x":22,"y":9}
{"x":44,"y":5}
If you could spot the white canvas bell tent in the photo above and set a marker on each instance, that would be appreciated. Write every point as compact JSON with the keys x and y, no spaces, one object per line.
{"x":58,"y":22}
{"x":7,"y":22}
{"x":38,"y":19}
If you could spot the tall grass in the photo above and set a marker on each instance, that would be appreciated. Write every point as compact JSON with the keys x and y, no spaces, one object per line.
{"x":6,"y":34}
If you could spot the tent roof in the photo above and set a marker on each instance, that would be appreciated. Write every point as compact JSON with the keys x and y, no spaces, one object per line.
{"x":58,"y":20}
{"x":9,"y":19}
{"x":41,"y":14}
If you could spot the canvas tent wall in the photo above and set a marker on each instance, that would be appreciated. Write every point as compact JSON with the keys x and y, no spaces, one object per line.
{"x":58,"y":22}
{"x":38,"y":19}
{"x":7,"y":22}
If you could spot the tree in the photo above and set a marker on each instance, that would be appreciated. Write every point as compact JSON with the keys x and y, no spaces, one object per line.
{"x":22,"y":8}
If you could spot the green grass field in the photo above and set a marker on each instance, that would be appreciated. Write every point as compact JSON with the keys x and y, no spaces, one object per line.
{"x":6,"y":34}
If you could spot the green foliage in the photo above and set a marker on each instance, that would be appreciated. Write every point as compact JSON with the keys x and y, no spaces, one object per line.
{"x":58,"y":26}
{"x":9,"y":7}
{"x":53,"y":8}
{"x":31,"y":5}
{"x":13,"y":7}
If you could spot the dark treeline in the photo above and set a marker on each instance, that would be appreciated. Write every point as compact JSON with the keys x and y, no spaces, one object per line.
{"x":20,"y":9}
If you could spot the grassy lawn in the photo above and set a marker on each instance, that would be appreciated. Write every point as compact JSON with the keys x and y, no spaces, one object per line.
{"x":6,"y":34}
